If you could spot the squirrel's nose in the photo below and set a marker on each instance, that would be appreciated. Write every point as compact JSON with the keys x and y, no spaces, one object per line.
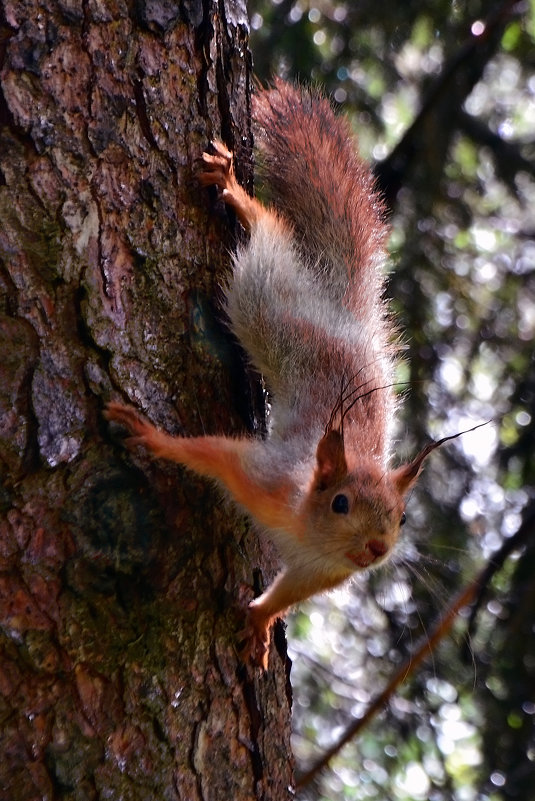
{"x":377,"y":547}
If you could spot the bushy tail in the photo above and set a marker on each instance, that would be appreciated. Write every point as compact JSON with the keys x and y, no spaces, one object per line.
{"x":310,"y":163}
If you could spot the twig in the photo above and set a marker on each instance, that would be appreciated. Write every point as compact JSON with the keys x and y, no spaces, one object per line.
{"x":409,"y":666}
{"x":471,"y":594}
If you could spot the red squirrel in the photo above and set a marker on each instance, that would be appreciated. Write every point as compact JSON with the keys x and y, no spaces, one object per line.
{"x":305,"y":299}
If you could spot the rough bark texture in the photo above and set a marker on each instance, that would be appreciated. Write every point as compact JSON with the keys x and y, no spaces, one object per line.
{"x":122,"y":582}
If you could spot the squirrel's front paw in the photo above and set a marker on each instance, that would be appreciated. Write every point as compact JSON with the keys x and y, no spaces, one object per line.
{"x":253,"y":649}
{"x":255,"y":638}
{"x":217,"y":169}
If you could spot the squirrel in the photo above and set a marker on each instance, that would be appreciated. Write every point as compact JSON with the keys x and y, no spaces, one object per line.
{"x":305,"y":300}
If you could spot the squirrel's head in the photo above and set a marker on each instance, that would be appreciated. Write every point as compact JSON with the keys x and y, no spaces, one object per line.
{"x":354,"y":515}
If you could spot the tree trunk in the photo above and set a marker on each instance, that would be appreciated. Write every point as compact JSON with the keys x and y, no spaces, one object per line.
{"x":123,"y":582}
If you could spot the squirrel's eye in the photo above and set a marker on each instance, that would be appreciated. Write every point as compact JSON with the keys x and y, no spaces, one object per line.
{"x":403,"y":519}
{"x":340,"y":505}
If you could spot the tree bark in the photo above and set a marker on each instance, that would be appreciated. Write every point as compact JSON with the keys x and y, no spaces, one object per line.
{"x":123,"y":582}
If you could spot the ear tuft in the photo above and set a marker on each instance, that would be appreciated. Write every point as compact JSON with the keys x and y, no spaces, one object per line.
{"x":331,"y":465}
{"x":406,"y":475}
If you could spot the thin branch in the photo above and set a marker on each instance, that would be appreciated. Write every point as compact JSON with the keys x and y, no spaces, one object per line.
{"x":473,"y":593}
{"x":409,"y":666}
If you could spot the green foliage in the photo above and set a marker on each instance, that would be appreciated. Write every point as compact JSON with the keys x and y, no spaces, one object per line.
{"x":441,"y":95}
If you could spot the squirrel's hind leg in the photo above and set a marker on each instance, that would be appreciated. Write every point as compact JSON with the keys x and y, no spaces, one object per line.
{"x":218,"y":170}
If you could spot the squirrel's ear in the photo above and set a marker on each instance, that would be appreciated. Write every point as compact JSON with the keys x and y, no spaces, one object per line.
{"x":405,"y":476}
{"x":331,"y":465}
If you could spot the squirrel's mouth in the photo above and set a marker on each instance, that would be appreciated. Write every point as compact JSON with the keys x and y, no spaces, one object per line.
{"x":372,"y":551}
